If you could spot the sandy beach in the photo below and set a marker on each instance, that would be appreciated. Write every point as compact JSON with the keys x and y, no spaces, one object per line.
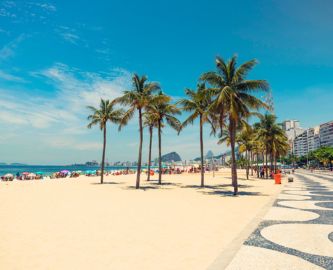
{"x":80,"y":224}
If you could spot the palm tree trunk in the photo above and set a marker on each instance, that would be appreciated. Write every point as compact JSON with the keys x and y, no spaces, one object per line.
{"x":247,"y":164}
{"x":251,"y":161}
{"x":272,"y":164}
{"x":257,"y":159}
{"x":149,"y":155}
{"x":201,"y":155}
{"x":159,"y":153}
{"x":266,"y":167}
{"x":138,"y":173}
{"x":232,"y":133}
{"x":103,"y":155}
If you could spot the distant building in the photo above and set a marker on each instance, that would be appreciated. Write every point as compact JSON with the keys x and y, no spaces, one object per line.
{"x":326,"y":134}
{"x":292,"y":129}
{"x":313,"y":138}
{"x":301,"y":144}
{"x":92,"y":163}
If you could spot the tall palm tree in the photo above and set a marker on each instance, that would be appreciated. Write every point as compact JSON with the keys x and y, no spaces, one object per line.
{"x":198,"y":104}
{"x":151,"y":122}
{"x":258,"y":146}
{"x":245,"y":142}
{"x":280,"y":145}
{"x":100,"y":116}
{"x":137,"y":99}
{"x":164,"y":112}
{"x":234,"y":99}
{"x":273,"y":137}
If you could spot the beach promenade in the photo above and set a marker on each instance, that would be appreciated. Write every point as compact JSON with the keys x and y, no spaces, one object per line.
{"x":296,"y":232}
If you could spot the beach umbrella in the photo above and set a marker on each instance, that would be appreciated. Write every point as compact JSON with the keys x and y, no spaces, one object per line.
{"x":8,"y":175}
{"x":65,"y":171}
{"x":39,"y":173}
{"x":31,"y":175}
{"x":25,"y":173}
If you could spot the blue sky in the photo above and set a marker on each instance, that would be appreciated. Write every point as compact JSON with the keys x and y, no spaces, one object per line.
{"x":57,"y":57}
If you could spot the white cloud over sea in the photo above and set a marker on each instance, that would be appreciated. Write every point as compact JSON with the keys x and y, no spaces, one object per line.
{"x":50,"y":126}
{"x":57,"y":118}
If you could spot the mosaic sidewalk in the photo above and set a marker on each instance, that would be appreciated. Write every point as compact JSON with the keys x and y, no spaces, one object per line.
{"x":297,"y":231}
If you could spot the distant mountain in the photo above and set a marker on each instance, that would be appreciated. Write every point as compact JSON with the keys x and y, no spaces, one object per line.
{"x":171,"y":157}
{"x":209,"y":155}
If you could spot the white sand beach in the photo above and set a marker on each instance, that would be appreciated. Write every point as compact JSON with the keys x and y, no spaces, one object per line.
{"x":80,"y":224}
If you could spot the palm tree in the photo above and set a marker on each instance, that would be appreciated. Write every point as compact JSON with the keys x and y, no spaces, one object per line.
{"x":280,"y":145}
{"x":137,"y":99}
{"x":164,"y":111}
{"x":233,"y":98}
{"x":101,"y":116}
{"x":198,"y":103}
{"x":245,"y":142}
{"x":273,"y":137}
{"x":258,"y":146}
{"x":151,"y":122}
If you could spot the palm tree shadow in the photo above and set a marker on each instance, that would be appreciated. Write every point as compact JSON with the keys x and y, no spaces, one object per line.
{"x":107,"y":183}
{"x":214,"y":187}
{"x":229,"y":193}
{"x":164,"y":184}
{"x":144,"y":188}
{"x":220,"y":190}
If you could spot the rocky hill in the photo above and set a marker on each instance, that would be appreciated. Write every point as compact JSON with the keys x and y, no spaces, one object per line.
{"x":171,"y":157}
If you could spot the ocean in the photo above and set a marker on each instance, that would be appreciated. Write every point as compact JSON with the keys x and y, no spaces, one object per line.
{"x":49,"y":169}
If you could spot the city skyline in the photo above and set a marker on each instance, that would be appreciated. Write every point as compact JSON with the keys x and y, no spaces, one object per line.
{"x":55,"y":61}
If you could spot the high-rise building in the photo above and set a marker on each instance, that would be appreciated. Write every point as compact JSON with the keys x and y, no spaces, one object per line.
{"x":289,"y":124}
{"x":301,"y":144}
{"x":326,"y":134}
{"x":313,"y":138}
{"x":292,"y":129}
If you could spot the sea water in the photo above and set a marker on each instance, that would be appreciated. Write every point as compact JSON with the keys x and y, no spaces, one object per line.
{"x":49,"y":169}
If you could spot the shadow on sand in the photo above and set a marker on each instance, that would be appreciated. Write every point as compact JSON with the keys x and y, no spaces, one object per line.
{"x":153,"y":184}
{"x":107,"y":183}
{"x":144,"y":188}
{"x":219,"y":190}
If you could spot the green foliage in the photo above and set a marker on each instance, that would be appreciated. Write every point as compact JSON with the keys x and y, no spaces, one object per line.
{"x":162,"y":110}
{"x":271,"y":135}
{"x":324,"y":155}
{"x":137,"y":98}
{"x":106,"y":112}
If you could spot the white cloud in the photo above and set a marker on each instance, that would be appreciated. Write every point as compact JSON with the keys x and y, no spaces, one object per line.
{"x":68,"y":34}
{"x":46,"y":6}
{"x":65,"y":143}
{"x":74,"y":91}
{"x":10,"y":77}
{"x":70,"y":37}
{"x":8,"y":50}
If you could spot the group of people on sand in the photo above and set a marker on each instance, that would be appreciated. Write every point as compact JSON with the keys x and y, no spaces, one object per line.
{"x":22,"y":176}
{"x":75,"y":174}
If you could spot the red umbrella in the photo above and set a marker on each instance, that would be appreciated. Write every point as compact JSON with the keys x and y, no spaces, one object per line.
{"x":25,"y":173}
